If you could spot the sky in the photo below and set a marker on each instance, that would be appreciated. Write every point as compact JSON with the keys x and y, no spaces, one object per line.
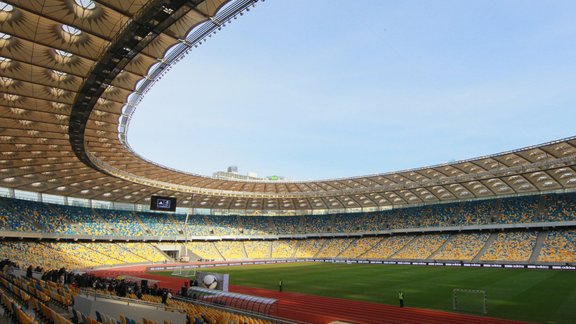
{"x":314,"y":90}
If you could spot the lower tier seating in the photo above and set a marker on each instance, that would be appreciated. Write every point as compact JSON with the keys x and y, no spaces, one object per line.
{"x":557,"y":246}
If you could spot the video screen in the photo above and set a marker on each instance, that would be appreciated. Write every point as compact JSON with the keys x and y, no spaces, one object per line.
{"x":162,"y":203}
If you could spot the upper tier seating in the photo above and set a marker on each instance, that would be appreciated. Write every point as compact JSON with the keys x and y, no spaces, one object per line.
{"x":27,"y":216}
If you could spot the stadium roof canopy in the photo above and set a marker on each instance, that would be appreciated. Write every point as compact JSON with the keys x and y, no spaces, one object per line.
{"x":72,"y":71}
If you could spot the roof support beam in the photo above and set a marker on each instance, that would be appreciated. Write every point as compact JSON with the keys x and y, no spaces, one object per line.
{"x":154,"y":18}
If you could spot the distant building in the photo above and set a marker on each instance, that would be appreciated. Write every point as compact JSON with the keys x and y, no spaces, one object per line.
{"x":232,"y":174}
{"x":223,"y":175}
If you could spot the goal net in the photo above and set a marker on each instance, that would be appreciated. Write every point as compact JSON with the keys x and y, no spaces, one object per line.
{"x":469,"y":300}
{"x":184,"y":272}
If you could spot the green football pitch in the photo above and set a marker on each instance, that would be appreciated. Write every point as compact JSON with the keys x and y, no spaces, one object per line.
{"x":543,"y":296}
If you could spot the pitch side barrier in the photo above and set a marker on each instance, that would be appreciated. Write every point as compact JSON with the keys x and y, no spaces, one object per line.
{"x":453,"y":264}
{"x":365,"y":261}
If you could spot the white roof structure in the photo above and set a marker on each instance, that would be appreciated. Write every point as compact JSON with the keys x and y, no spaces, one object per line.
{"x":72,"y":72}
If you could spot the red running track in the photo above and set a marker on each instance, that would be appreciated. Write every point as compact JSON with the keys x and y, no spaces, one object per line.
{"x":322,"y":310}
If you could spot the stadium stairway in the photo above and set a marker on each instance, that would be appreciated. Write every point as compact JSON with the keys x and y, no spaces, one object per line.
{"x":347,"y":248}
{"x":441,"y":248}
{"x":32,"y":221}
{"x":538,"y":246}
{"x":403,"y":248}
{"x":363,"y":255}
{"x":219,"y":253}
{"x":541,"y":209}
{"x":100,"y":220}
{"x":130,"y":252}
{"x":141,"y":223}
{"x":271,"y":251}
{"x":496,"y":210}
{"x":486,"y":246}
{"x":170,"y":259}
{"x":320,"y":249}
{"x":296,"y":248}
{"x":245,"y":254}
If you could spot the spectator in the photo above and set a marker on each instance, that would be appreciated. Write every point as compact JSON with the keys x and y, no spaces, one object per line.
{"x":29,"y":272}
{"x":164,"y":296}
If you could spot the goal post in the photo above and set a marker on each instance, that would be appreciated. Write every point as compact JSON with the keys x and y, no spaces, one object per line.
{"x":184,"y":272}
{"x":470,"y":301}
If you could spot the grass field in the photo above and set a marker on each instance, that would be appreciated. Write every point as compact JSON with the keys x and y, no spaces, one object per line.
{"x":543,"y":296}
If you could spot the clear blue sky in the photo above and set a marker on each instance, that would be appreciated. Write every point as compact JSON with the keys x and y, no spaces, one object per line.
{"x":324,"y":89}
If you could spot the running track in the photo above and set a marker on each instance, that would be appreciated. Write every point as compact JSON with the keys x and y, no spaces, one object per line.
{"x":321,"y":310}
